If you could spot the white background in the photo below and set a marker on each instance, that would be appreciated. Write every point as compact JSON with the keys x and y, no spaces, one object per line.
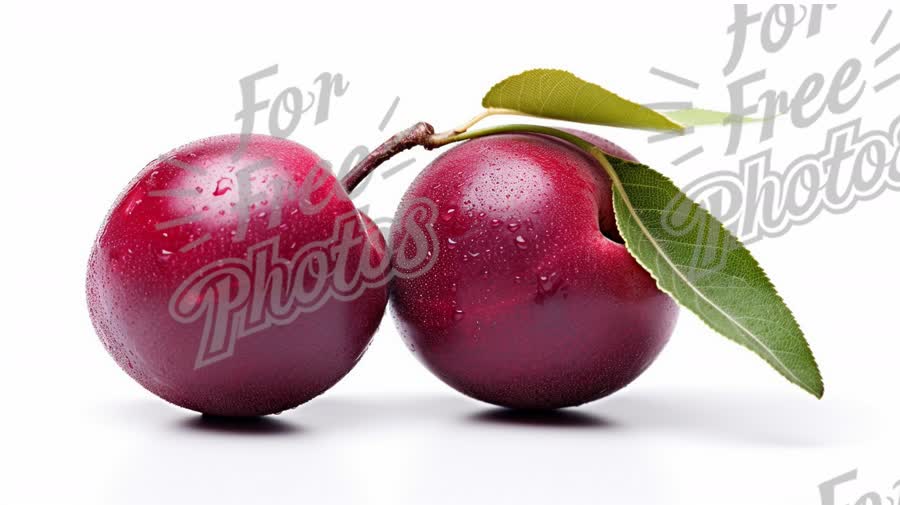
{"x":92,"y":91}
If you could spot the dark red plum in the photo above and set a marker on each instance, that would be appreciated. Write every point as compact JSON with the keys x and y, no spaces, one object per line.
{"x":218,"y":284}
{"x":533,"y":301}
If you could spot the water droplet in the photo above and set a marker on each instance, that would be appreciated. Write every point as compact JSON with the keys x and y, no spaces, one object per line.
{"x":223,"y":186}
{"x":513,"y":226}
{"x":458,"y":314}
{"x":131,"y":206}
{"x":549,"y":281}
{"x":451,"y":244}
{"x":448,"y":214}
{"x":199,"y":189}
{"x":474,"y":254}
{"x":548,"y":286}
{"x":496,"y":222}
{"x":520,"y":242}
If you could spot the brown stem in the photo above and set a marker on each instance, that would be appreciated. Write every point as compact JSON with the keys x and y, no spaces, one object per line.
{"x":418,"y":134}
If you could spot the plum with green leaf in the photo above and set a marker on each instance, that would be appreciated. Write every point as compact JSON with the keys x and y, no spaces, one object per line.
{"x":559,"y":273}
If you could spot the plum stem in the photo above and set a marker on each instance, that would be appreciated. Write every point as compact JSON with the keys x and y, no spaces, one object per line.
{"x":439,"y":140}
{"x":416,"y":135}
{"x":422,"y":134}
{"x":490,"y":111}
{"x":419,"y":134}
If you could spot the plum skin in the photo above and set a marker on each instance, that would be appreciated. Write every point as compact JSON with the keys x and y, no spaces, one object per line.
{"x":135,"y":268}
{"x":533,"y":302}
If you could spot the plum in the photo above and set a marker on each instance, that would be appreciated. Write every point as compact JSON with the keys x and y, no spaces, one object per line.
{"x":235,"y":277}
{"x":533,"y":301}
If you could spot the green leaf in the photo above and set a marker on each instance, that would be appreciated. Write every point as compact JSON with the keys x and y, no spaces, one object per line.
{"x":557,"y":94}
{"x":694,"y":258}
{"x":704,"y":117}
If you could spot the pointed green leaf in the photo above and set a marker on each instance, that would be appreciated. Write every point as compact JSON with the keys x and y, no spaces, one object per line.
{"x":557,"y":94}
{"x":706,"y":269}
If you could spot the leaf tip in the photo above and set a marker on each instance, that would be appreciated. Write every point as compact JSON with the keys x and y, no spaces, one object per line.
{"x":819,"y":388}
